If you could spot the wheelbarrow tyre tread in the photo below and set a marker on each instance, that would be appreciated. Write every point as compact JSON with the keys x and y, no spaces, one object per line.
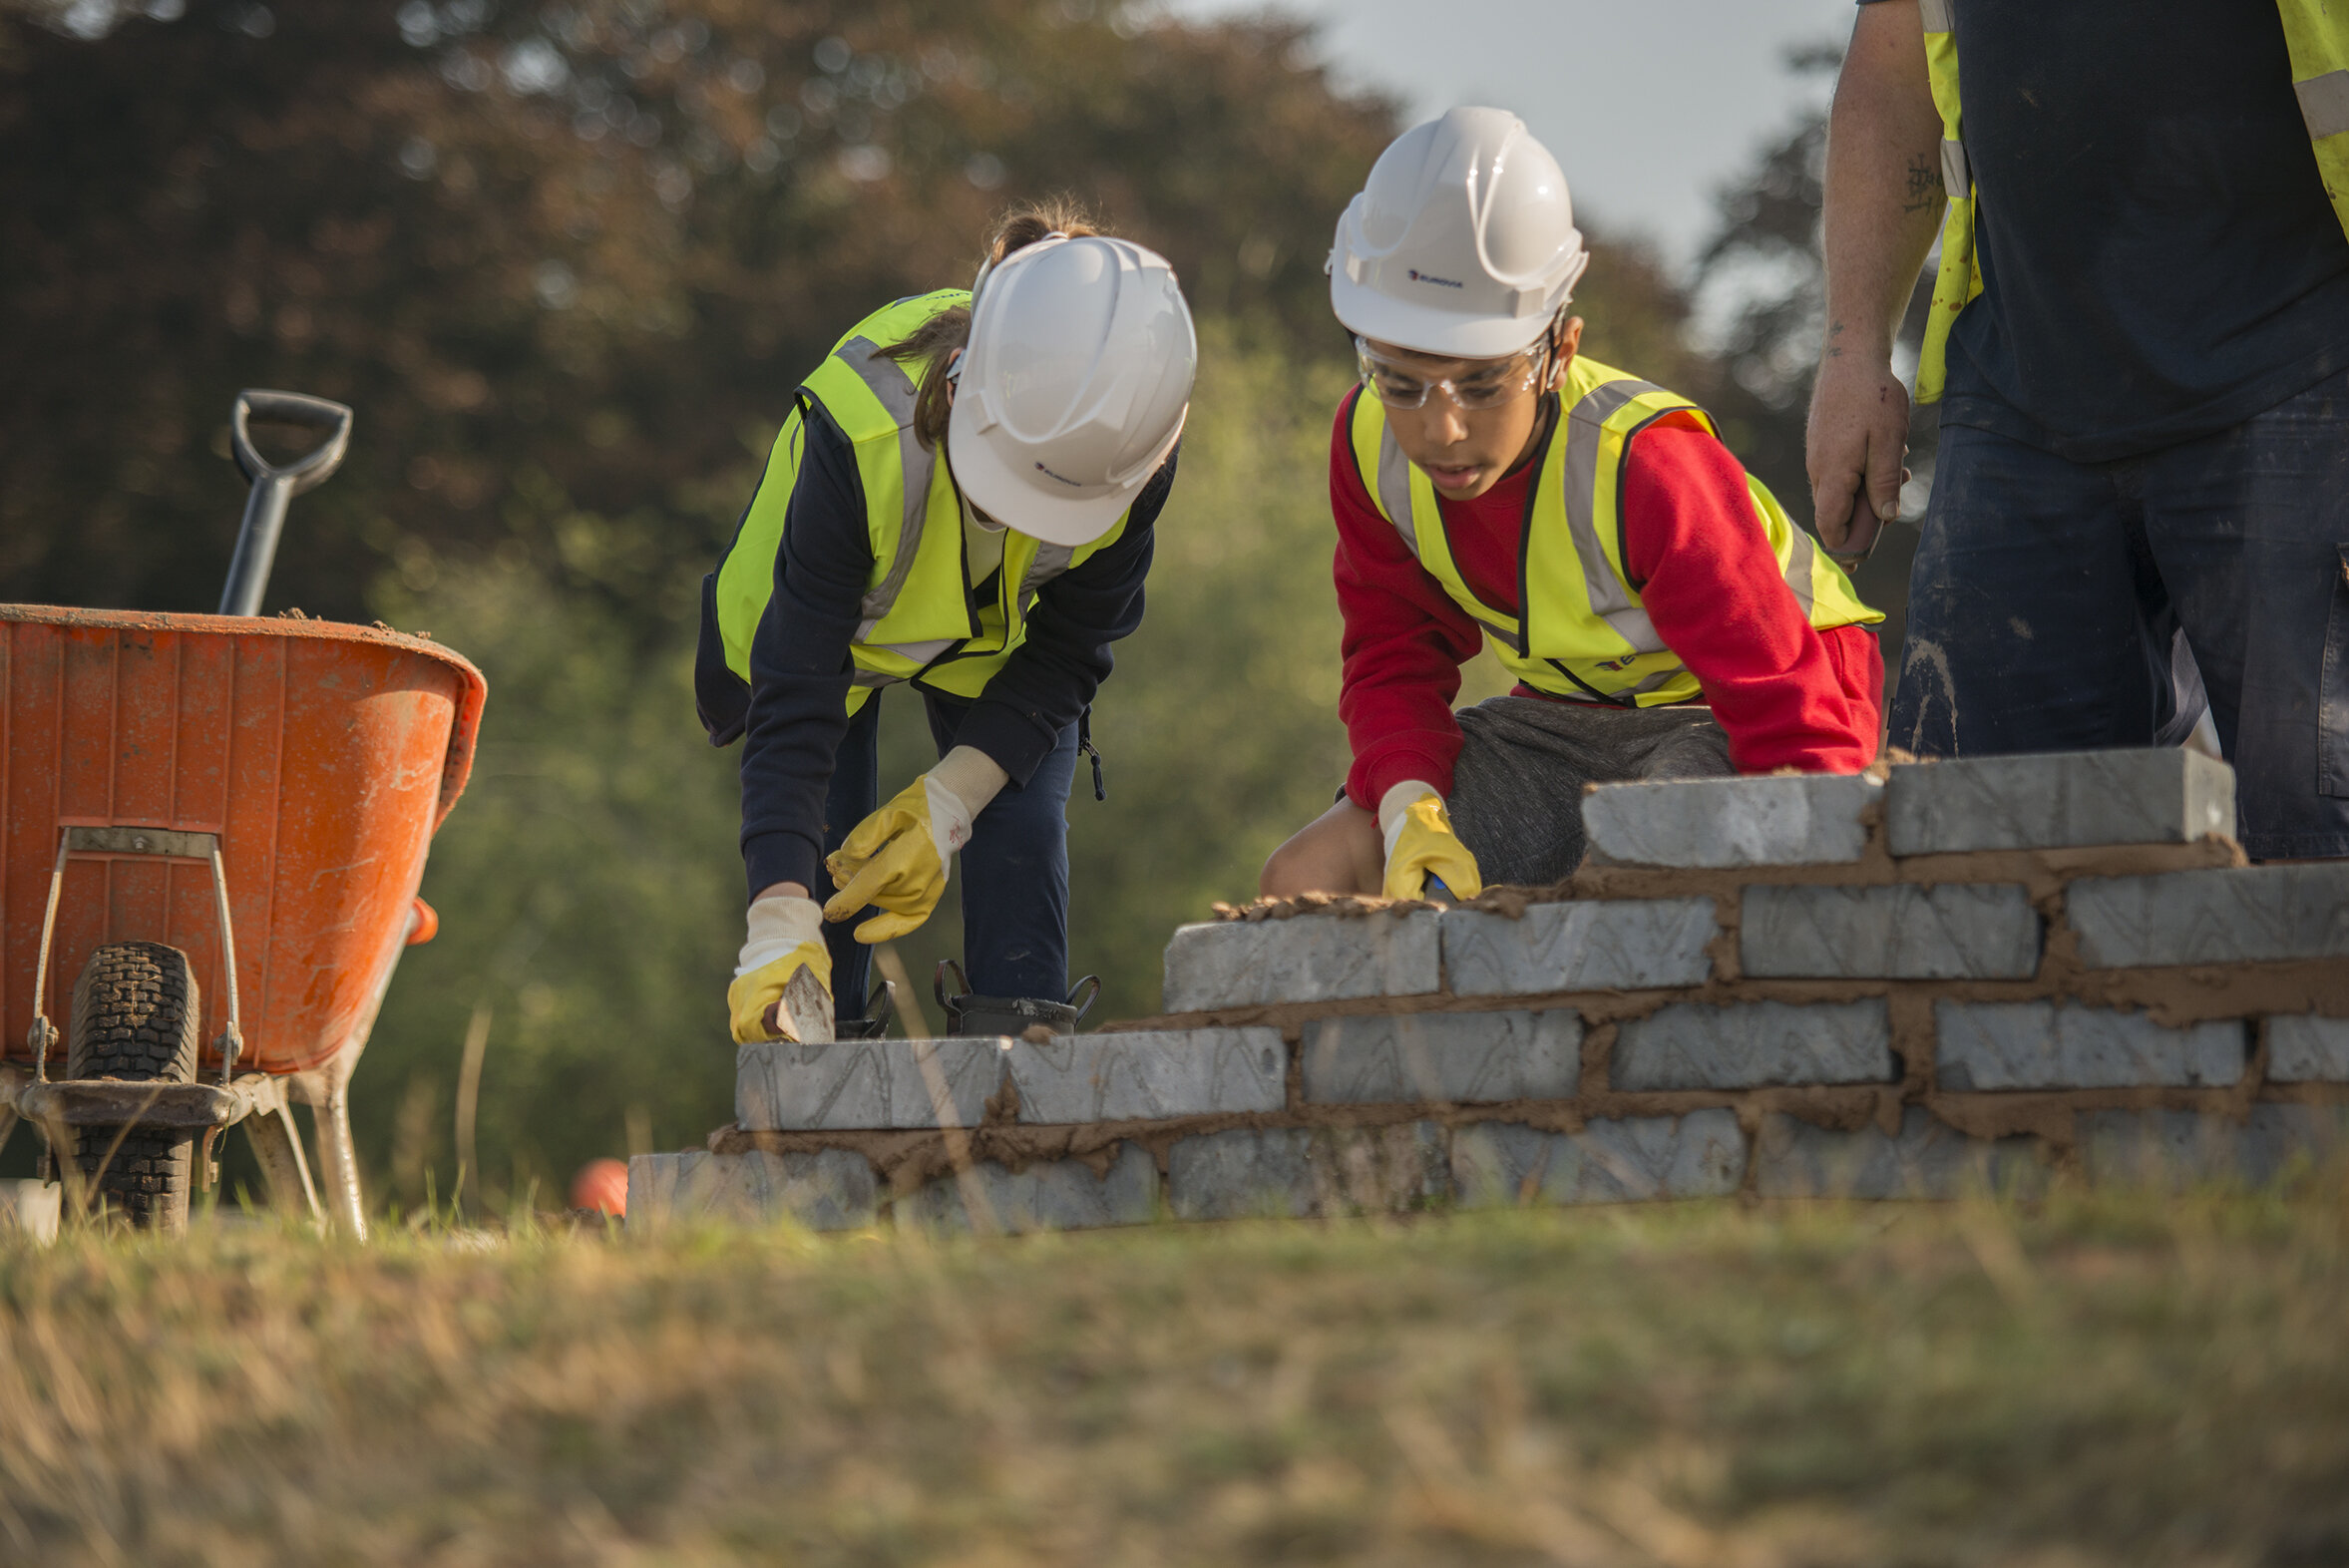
{"x":136,"y":1017}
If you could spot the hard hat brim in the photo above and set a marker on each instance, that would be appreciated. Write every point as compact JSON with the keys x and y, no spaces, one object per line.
{"x":1013,"y":497}
{"x":1428,"y":329}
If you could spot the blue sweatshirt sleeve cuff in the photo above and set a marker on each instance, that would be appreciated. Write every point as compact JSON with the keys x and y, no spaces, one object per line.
{"x":770,"y":858}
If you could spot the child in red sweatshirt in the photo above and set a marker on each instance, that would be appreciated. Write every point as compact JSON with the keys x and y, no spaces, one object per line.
{"x":1663,"y":615}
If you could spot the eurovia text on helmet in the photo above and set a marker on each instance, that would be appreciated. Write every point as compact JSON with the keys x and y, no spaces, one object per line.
{"x":1418,"y":277}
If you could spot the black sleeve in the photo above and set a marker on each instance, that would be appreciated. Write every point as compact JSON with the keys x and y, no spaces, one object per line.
{"x":1051,"y":676}
{"x":722,"y":699}
{"x":800,"y":667}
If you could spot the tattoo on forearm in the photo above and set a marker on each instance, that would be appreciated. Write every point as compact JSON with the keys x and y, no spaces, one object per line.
{"x":1924,"y":191}
{"x":1834,"y":331}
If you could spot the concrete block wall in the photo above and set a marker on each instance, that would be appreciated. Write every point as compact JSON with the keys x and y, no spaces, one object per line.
{"x":1949,"y":976}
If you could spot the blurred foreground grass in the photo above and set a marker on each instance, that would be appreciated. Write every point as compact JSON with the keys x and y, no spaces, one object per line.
{"x":2109,"y":1380}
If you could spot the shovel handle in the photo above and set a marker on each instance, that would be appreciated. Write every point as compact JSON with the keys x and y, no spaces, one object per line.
{"x":302,"y":411}
{"x":274,"y":484}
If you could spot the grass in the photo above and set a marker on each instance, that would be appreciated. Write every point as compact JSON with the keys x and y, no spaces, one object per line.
{"x":2106,"y":1381}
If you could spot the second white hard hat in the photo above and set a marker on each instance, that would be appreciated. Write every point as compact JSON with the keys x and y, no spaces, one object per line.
{"x":1074,"y":386}
{"x":1463,"y":243}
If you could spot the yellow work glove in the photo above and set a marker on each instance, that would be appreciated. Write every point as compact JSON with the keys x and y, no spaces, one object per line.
{"x":1420,"y":844}
{"x":786,"y":935}
{"x":899,"y":857}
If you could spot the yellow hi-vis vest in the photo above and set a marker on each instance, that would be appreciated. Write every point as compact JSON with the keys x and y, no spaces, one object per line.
{"x":1583,"y":633}
{"x":2316,"y":33}
{"x":920,"y":618}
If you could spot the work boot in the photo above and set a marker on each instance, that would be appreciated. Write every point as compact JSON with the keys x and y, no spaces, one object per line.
{"x":880,"y":1007}
{"x":1012,"y":1016}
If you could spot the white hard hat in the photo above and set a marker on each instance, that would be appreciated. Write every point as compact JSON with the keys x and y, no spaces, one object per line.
{"x":1462,"y":243}
{"x":1074,"y":386}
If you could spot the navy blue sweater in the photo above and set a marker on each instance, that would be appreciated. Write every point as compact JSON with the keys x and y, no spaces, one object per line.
{"x":795,"y":707}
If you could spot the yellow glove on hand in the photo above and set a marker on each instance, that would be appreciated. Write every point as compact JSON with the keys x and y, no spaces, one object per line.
{"x":1420,"y":842}
{"x":899,"y":857}
{"x":786,"y":935}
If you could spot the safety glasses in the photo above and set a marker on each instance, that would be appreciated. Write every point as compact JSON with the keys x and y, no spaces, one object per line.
{"x":1485,"y":383}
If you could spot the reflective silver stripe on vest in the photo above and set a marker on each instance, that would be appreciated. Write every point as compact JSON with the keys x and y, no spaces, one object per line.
{"x":1798,"y":562}
{"x":1609,"y":595}
{"x":1395,"y":478}
{"x":1050,"y":561}
{"x":1935,"y":14}
{"x":1957,"y":176}
{"x":1653,"y":679}
{"x":920,"y":653}
{"x":2324,"y":103}
{"x":889,"y":382}
{"x":1395,"y":487}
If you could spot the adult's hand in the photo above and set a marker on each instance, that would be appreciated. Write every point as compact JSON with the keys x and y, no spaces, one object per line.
{"x":1883,"y":198}
{"x":1854,"y":448}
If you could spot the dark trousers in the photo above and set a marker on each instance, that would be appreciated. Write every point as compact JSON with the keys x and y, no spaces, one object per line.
{"x":1014,"y":873}
{"x":2067,"y":607}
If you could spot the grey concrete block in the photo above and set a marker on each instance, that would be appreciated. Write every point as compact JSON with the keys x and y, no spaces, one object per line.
{"x":785,"y":1086}
{"x":829,"y":1190}
{"x":1927,"y":1159}
{"x":1447,"y":1057}
{"x":1380,"y":1170}
{"x":2175,"y":1149}
{"x":2057,"y":800}
{"x":1584,"y":945}
{"x":1298,"y":1172}
{"x":2235,"y":914}
{"x":1050,"y":1195}
{"x":1956,"y":932}
{"x":2306,"y":1049}
{"x":1808,"y":821}
{"x":1688,"y":1045}
{"x":1243,"y":1173}
{"x":1307,"y":958}
{"x":1149,"y":1074}
{"x":2042,"y":1045}
{"x":1699,"y":1155}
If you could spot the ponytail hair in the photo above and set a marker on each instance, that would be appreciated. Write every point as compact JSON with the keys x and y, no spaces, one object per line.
{"x":933,"y":342}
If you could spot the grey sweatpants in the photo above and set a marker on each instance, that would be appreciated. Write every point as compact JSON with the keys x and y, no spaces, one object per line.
{"x":1516,"y":798}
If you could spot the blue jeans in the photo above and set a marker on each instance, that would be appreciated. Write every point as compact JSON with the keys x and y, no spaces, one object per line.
{"x":2071,"y":606}
{"x":1013,"y":872}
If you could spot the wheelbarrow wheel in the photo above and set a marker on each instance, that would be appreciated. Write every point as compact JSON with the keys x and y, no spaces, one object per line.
{"x":136,"y":1017}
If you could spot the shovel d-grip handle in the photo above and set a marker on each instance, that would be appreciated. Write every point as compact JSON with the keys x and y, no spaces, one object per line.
{"x":274,"y":484}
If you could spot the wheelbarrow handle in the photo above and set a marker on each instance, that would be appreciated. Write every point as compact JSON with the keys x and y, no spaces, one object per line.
{"x":274,"y":484}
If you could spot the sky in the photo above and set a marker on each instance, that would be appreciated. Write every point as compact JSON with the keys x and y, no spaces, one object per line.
{"x":1650,"y":105}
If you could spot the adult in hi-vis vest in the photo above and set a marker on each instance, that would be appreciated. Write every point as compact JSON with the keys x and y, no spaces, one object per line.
{"x":1662,"y":614}
{"x":2138,"y":343}
{"x":963,"y":501}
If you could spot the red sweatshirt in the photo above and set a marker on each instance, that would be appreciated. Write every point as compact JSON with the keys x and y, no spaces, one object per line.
{"x":1788,"y":695}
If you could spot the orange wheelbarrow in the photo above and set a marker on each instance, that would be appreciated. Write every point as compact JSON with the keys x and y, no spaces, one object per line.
{"x":212,"y":833}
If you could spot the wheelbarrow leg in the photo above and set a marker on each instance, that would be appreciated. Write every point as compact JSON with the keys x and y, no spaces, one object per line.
{"x":338,"y":1162}
{"x":279,"y":1149}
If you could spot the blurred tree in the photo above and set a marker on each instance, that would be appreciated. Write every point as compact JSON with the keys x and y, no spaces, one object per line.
{"x":589,"y":886}
{"x":599,"y":240}
{"x":567,"y":262}
{"x":1763,"y":274}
